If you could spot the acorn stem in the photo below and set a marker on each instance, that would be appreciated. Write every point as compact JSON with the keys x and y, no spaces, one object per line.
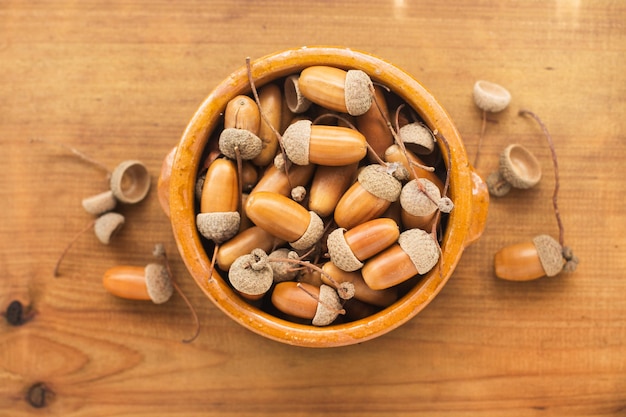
{"x":76,"y":152}
{"x":160,"y":252}
{"x":306,"y":264}
{"x":555,"y":163}
{"x":69,"y":246}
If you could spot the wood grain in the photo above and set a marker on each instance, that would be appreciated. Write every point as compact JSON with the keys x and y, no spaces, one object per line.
{"x":120,"y":79}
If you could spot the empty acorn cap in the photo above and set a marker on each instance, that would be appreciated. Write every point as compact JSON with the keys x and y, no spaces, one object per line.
{"x":218,"y":226}
{"x":419,"y":136}
{"x":491,"y":97}
{"x":251,"y":273}
{"x":100,"y":203}
{"x":519,"y":166}
{"x":248,"y":144}
{"x":312,"y":234}
{"x":415,"y":202}
{"x":328,"y":307}
{"x":130,"y":182}
{"x":158,"y":283}
{"x":296,"y":102}
{"x":497,"y":185}
{"x":375,"y":179}
{"x":357,"y":92}
{"x":340,"y":253}
{"x":296,"y":141}
{"x":550,"y":254}
{"x":107,"y":225}
{"x":421,"y":248}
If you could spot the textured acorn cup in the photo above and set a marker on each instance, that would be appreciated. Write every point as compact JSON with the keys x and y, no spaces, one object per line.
{"x":283,"y":271}
{"x":100,"y":203}
{"x":107,"y":225}
{"x":306,"y":143}
{"x":251,"y":274}
{"x":218,"y":226}
{"x":151,"y":282}
{"x":491,"y":97}
{"x":418,"y":137}
{"x":421,"y":248}
{"x":295,"y":100}
{"x":416,"y":202}
{"x":519,"y":167}
{"x":336,"y":89}
{"x":130,"y":182}
{"x":543,"y":256}
{"x":247,"y":143}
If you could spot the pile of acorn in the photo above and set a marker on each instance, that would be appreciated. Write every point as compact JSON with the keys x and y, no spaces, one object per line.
{"x":321,"y":196}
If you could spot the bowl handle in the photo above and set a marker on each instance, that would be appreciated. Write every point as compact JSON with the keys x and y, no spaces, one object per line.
{"x":163,"y":187}
{"x":480,"y":205}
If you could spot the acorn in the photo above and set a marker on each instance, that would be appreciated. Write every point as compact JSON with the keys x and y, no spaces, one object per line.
{"x":336,"y":89}
{"x":328,"y":185}
{"x":130,"y":182}
{"x":349,"y":248}
{"x":525,"y":261}
{"x":270,"y":102}
{"x":395,"y":154}
{"x":369,"y":197}
{"x":218,"y":219}
{"x":275,"y":180}
{"x":242,"y":243}
{"x":151,"y":282}
{"x":362,"y":291}
{"x":251,"y":274}
{"x":285,"y":219}
{"x":242,"y":120}
{"x":321,"y":304}
{"x":373,"y":125}
{"x":419,"y":208}
{"x":416,"y":252}
{"x":519,"y":168}
{"x":306,"y":143}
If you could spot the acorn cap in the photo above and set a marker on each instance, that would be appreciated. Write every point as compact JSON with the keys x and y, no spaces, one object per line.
{"x":497,"y":185}
{"x":296,"y":141}
{"x":218,"y":226}
{"x":491,"y":97}
{"x":357,"y":92}
{"x":378,"y":181}
{"x":550,"y":254}
{"x":130,"y":182}
{"x":519,"y":166}
{"x":249,"y":144}
{"x":296,"y":102}
{"x":283,"y":271}
{"x":100,"y":203}
{"x":419,"y":136}
{"x":312,"y":234}
{"x":421,"y":248}
{"x":415,"y":202}
{"x":158,"y":283}
{"x":328,"y":307}
{"x":340,"y":253}
{"x":251,"y":274}
{"x":107,"y":225}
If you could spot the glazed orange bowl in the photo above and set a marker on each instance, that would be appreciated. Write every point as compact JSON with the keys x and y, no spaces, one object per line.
{"x":457,"y":229}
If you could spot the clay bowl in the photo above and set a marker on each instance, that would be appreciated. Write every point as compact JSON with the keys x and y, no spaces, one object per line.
{"x":463,"y":226}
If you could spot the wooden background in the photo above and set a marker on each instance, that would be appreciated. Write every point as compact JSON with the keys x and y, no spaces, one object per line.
{"x":120,"y":79}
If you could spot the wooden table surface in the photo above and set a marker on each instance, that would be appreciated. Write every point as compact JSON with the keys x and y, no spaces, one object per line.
{"x":121,"y":79}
